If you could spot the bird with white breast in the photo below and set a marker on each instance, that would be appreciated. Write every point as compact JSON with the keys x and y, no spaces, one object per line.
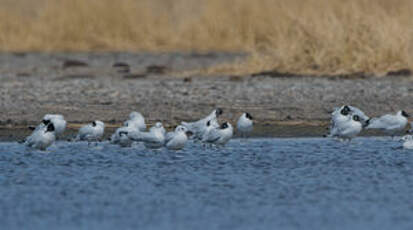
{"x":219,"y":136}
{"x":245,"y":124}
{"x":41,"y":138}
{"x":91,"y":132}
{"x":177,"y":139}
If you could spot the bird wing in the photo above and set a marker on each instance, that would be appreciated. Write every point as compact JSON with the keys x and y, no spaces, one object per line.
{"x":147,"y":137}
{"x":384,"y":122}
{"x":212,"y":136}
{"x":84,"y":132}
{"x":169,"y":136}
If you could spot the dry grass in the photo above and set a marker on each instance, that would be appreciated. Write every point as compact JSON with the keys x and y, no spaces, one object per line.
{"x":305,"y":36}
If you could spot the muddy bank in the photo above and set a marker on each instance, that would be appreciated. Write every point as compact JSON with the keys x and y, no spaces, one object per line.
{"x":107,"y":86}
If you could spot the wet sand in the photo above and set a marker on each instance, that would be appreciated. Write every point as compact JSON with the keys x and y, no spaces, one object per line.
{"x":107,"y":86}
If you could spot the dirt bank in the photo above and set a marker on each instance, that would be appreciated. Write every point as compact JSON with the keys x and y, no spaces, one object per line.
{"x":86,"y":86}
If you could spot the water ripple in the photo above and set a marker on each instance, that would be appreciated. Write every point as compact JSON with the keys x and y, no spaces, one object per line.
{"x":305,"y":183}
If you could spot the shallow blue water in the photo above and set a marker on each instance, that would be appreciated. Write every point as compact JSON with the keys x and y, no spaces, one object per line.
{"x":304,"y":183}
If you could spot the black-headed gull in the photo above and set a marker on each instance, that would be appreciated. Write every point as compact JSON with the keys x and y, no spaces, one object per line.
{"x":348,"y":129}
{"x":120,"y":137}
{"x":245,"y":124}
{"x":220,"y":135}
{"x":41,"y":138}
{"x":91,"y":132}
{"x":340,"y":115}
{"x":58,"y":121}
{"x":391,"y":124}
{"x":198,"y":128}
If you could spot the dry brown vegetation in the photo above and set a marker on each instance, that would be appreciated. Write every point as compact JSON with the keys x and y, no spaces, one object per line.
{"x":305,"y":36}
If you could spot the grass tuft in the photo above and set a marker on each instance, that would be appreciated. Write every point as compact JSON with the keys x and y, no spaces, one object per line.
{"x":301,"y":36}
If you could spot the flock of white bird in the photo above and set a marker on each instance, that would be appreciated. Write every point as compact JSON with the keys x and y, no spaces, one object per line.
{"x":206,"y":130}
{"x":346,"y":123}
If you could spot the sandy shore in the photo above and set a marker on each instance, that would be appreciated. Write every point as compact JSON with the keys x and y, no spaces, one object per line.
{"x":86,"y":86}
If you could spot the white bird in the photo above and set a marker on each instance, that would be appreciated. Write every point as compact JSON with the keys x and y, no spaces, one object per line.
{"x":91,"y":132}
{"x":219,"y":136}
{"x":407,"y":141}
{"x":245,"y":124}
{"x":154,"y":139}
{"x":136,"y":120}
{"x":120,"y":137}
{"x":389,"y":123}
{"x":348,"y":129}
{"x":198,"y":128}
{"x":57,"y":120}
{"x":176,"y":140}
{"x":41,"y":138}
{"x":356,"y":111}
{"x":340,"y":115}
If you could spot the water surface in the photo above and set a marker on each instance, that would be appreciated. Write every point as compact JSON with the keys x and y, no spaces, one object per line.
{"x":301,"y":183}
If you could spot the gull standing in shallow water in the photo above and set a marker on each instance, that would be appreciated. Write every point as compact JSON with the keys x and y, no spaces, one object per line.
{"x":91,"y":132}
{"x":390,"y":124}
{"x":346,"y":130}
{"x":41,"y":138}
{"x":245,"y":124}
{"x":198,"y":128}
{"x":176,"y":140}
{"x":154,"y":139}
{"x":219,"y":136}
